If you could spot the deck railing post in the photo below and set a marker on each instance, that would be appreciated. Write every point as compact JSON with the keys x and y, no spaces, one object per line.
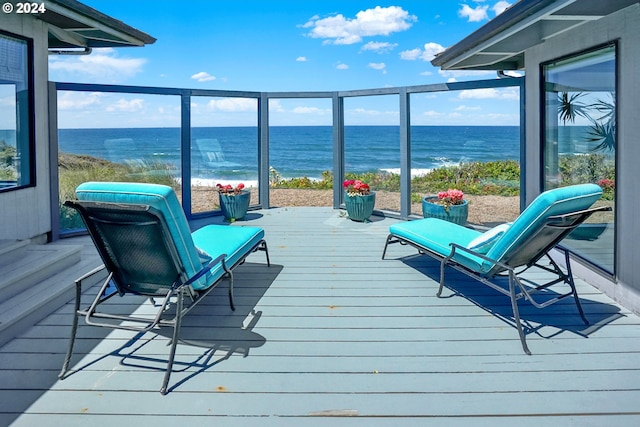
{"x":405,"y":154}
{"x":185,"y":151}
{"x":263,"y":150}
{"x":338,"y":149}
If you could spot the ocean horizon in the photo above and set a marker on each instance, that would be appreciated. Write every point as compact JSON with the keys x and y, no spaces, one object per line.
{"x":230,"y":154}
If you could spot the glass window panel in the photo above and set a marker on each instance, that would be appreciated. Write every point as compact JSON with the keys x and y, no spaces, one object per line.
{"x":16,"y":152}
{"x":301,"y":152}
{"x":372,"y":146}
{"x":580,"y":141}
{"x":468,"y":140}
{"x":116,"y":137}
{"x":224,"y":148}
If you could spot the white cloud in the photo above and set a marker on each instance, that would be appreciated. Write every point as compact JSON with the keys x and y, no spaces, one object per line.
{"x":500,"y":7}
{"x":8,"y":101}
{"x":427,"y":54}
{"x":380,"y":66}
{"x":432,"y":113}
{"x":78,"y":100}
{"x":491,"y":93}
{"x":203,"y":77}
{"x":379,"y":21}
{"x":411,"y":55}
{"x":342,"y":66}
{"x":130,"y":106}
{"x":301,"y":59}
{"x":232,"y":105}
{"x":310,"y":110}
{"x":467,"y":108}
{"x":431,"y":50}
{"x":275,"y":106}
{"x":477,"y":14}
{"x":380,"y":47}
{"x":103,"y":64}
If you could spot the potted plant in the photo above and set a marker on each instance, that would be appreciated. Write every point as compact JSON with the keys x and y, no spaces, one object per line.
{"x":359,"y":199}
{"x":449,"y":205}
{"x":234,"y":201}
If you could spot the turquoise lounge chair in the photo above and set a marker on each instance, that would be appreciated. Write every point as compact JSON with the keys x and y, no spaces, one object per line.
{"x":507,"y":247}
{"x":144,"y":240}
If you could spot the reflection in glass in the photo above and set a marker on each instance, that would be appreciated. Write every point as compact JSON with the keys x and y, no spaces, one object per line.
{"x":580,"y":141}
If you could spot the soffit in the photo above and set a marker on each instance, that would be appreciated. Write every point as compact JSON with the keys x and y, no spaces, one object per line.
{"x":73,"y":24}
{"x":500,"y":44}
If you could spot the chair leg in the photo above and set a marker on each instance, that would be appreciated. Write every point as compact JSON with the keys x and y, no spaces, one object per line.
{"x":174,"y":342}
{"x":516,"y":313}
{"x":74,"y":329}
{"x":443,"y":265}
{"x":231,"y":301}
{"x":573,"y":287}
{"x":384,"y":252}
{"x":263,"y":247}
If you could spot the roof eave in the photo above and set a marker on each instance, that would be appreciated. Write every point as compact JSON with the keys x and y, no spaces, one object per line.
{"x":73,"y":24}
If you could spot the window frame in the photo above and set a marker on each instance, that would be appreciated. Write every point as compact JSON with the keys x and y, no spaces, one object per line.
{"x":30,"y":180}
{"x":593,"y":263}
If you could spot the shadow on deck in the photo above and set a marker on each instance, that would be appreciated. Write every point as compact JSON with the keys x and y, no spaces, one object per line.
{"x":331,"y":331}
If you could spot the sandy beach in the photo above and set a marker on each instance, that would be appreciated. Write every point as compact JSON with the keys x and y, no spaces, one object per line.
{"x":483,"y":210}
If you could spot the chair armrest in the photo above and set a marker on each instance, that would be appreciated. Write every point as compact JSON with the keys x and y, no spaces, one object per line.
{"x":456,"y":247}
{"x":206,"y":269}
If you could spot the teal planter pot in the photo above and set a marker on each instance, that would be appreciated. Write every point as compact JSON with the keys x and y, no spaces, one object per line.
{"x":234,"y":207}
{"x":456,"y":213}
{"x":360,"y":208}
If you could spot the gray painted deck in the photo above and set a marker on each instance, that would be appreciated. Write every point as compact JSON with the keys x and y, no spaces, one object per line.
{"x":332,"y":335}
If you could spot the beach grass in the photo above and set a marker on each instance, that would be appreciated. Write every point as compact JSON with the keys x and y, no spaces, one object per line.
{"x":75,"y":169}
{"x":493,"y":187}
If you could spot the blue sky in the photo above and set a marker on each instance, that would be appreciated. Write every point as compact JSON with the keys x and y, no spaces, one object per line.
{"x":301,"y":45}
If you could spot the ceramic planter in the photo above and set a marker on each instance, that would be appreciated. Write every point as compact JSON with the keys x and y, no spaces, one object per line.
{"x":456,"y":213}
{"x":234,"y":207}
{"x":360,"y":208}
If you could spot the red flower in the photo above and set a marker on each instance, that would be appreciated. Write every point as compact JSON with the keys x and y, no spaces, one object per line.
{"x":451,"y":197}
{"x":355,"y":187}
{"x":228,"y":189}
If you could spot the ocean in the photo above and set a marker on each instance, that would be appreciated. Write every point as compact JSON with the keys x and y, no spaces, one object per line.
{"x":296,"y":151}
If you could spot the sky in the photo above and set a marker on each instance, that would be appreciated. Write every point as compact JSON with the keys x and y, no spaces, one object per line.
{"x":283,"y":46}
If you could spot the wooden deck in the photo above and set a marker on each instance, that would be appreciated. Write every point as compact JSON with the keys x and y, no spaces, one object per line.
{"x":331,"y":335}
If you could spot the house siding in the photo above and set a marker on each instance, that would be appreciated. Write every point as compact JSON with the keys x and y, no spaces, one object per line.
{"x":621,"y":27}
{"x":25,"y":213}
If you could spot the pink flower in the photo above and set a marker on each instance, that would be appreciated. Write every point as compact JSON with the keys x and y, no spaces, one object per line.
{"x":228,"y":189}
{"x":355,"y":187}
{"x":451,"y":197}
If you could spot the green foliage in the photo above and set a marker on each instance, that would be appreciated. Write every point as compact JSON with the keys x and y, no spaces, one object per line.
{"x":589,"y":168}
{"x":499,"y":177}
{"x":7,"y":166}
{"x":76,"y":169}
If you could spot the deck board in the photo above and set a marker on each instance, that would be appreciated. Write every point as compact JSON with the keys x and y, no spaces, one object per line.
{"x":333,"y":335}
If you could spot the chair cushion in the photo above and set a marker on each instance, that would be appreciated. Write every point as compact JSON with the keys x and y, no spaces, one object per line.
{"x":161,"y":198}
{"x":486,"y":240}
{"x":436,"y":235}
{"x":558,"y":201}
{"x":235,"y":241}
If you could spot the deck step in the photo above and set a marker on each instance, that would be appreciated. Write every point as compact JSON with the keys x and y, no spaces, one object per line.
{"x":30,"y":264}
{"x":39,"y":279}
{"x":8,"y":246}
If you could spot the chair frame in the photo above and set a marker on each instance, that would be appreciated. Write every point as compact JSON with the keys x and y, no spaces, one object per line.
{"x":185,"y":296}
{"x":557,"y":226}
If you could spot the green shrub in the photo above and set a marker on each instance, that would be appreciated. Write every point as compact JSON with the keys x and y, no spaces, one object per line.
{"x":499,"y":177}
{"x":75,"y":169}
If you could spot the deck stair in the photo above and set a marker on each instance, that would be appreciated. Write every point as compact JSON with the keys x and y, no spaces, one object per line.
{"x":35,"y":280}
